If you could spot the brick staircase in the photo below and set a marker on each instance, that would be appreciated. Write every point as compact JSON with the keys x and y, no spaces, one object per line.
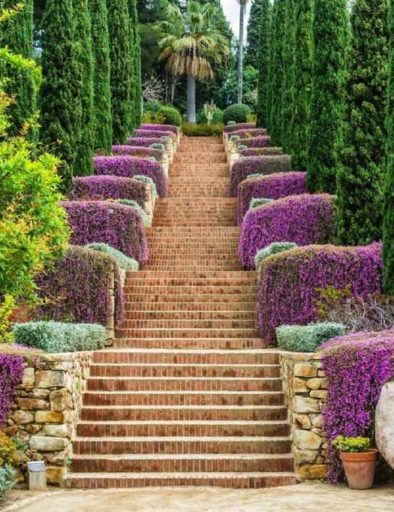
{"x":188,"y":395}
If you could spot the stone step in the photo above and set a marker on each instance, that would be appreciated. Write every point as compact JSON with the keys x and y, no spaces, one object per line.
{"x":190,"y":343}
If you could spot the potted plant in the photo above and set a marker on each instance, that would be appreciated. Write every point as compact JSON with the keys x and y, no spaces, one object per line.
{"x":358,"y":459}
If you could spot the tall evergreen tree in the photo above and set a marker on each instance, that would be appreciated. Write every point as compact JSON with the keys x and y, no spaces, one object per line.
{"x":361,"y":177}
{"x":330,"y":31}
{"x":83,"y":83}
{"x":271,"y":71}
{"x":303,"y":65}
{"x":135,"y":75}
{"x":102,"y":76}
{"x":60,"y":108}
{"x":263,"y":62}
{"x":252,"y":55}
{"x":289,"y":45}
{"x":119,"y":35}
{"x":388,"y":223}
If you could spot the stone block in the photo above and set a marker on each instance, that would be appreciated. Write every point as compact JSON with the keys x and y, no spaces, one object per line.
{"x":384,"y":424}
{"x":50,"y":379}
{"x":314,"y":383}
{"x":55,"y":474}
{"x":299,"y":385}
{"x":60,"y":400}
{"x":49,"y":417}
{"x":304,"y":456}
{"x":305,"y":370}
{"x":56,"y":430}
{"x":22,"y":417}
{"x":31,"y":404}
{"x":303,"y":421}
{"x":28,"y":378}
{"x":312,"y":472}
{"x":320,"y":393}
{"x":305,"y":405}
{"x":307,"y":440}
{"x":48,"y":444}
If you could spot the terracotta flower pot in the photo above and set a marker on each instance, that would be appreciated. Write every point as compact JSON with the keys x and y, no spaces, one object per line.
{"x":359,"y":468}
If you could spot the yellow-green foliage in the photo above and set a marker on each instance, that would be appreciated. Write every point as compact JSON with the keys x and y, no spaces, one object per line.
{"x":7,"y":450}
{"x":352,"y":444}
{"x":6,"y":310}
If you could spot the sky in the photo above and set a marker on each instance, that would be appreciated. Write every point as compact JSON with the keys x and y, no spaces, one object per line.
{"x":231,"y":10}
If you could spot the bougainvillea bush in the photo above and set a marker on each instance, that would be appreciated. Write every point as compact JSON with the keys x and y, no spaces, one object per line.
{"x":11,"y":370}
{"x":108,"y":187}
{"x":160,"y":127}
{"x":144,"y":141}
{"x":270,"y":150}
{"x":142,"y":133}
{"x":247,"y":133}
{"x":263,"y":165}
{"x":303,"y":219}
{"x":114,"y":224}
{"x":77,"y":289}
{"x":255,"y":142}
{"x":273,"y":186}
{"x":129,"y":166}
{"x":356,"y":366}
{"x":140,"y":152}
{"x":238,"y":126}
{"x":290,"y":282}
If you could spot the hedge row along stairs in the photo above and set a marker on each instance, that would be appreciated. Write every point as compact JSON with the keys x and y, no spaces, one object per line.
{"x":188,"y":395}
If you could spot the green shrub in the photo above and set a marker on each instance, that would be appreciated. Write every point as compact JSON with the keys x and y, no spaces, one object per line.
{"x":149,"y":181}
{"x":133,"y":204}
{"x":170,"y":115}
{"x":261,"y":201}
{"x":352,"y":444}
{"x":124,"y":262}
{"x":274,"y":248}
{"x":7,"y":480}
{"x":202,"y":130}
{"x":238,"y":113}
{"x":307,"y":338}
{"x":55,"y":337}
{"x":152,"y":107}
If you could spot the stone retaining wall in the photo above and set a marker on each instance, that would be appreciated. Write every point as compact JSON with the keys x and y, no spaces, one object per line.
{"x":305,"y":388}
{"x":47,"y":409}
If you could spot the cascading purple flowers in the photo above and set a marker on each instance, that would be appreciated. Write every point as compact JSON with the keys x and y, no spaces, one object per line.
{"x":303,"y":219}
{"x":144,"y":133}
{"x":290,"y":282}
{"x":160,"y":127}
{"x":261,"y":141}
{"x":108,"y":187}
{"x":144,"y":141}
{"x":129,"y":166}
{"x":140,"y":152}
{"x":273,"y":186}
{"x":270,"y":150}
{"x":239,"y":126}
{"x":11,"y":371}
{"x":357,"y":366}
{"x":247,"y":133}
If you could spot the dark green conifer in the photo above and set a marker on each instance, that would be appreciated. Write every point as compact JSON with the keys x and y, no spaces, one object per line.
{"x":263,"y":63}
{"x":289,"y":45}
{"x":252,"y":55}
{"x":135,"y":75}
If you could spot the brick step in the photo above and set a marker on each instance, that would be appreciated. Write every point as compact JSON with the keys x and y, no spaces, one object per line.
{"x":197,"y":192}
{"x":191,"y":343}
{"x":181,"y":398}
{"x":138,"y":480}
{"x":189,"y":357}
{"x":130,"y":314}
{"x":203,"y":275}
{"x":184,"y":383}
{"x":182,"y":428}
{"x":188,"y":324}
{"x":226,"y":202}
{"x":157,"y":265}
{"x":134,"y":279}
{"x":213,"y":253}
{"x":191,"y":306}
{"x":223,"y":298}
{"x":230,"y":289}
{"x":182,"y":370}
{"x":182,"y":463}
{"x":162,"y":332}
{"x":187,"y":412}
{"x":178,"y":445}
{"x":217,"y":232}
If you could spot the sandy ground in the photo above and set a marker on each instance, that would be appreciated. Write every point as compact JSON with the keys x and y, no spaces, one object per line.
{"x":308,"y":497}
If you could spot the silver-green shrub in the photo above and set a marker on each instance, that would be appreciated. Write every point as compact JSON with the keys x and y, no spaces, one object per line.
{"x":133,"y":204}
{"x":274,"y":248}
{"x":261,"y":201}
{"x":124,"y":262}
{"x":149,"y":181}
{"x":7,"y":479}
{"x":307,"y":338}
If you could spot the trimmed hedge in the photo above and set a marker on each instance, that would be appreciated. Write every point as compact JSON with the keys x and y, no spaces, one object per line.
{"x":270,"y":150}
{"x":274,"y":248}
{"x":160,"y":127}
{"x":119,"y":226}
{"x":129,"y":166}
{"x":202,"y":130}
{"x":290,"y":282}
{"x":238,"y":113}
{"x":255,"y":142}
{"x":304,"y":219}
{"x":124,"y":262}
{"x":76,"y":288}
{"x":238,"y":126}
{"x":108,"y":187}
{"x":140,"y":152}
{"x":263,"y":165}
{"x":57,"y":337}
{"x":170,"y":115}
{"x":273,"y":186}
{"x":307,"y":338}
{"x":11,"y":372}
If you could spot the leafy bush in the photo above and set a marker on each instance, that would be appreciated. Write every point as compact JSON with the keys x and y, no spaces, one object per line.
{"x":261,"y":201}
{"x":217,"y":117}
{"x":129,"y":167}
{"x":352,"y":444}
{"x":262,"y":141}
{"x":290,"y":282}
{"x":274,"y":248}
{"x":7,"y":450}
{"x":124,"y":262}
{"x":77,"y":289}
{"x":7,"y":480}
{"x":108,"y":187}
{"x":11,"y":371}
{"x":55,"y":337}
{"x":114,"y":224}
{"x":257,"y":165}
{"x":307,"y":338}
{"x":272,"y":186}
{"x":233,"y":126}
{"x":140,"y":152}
{"x":356,"y":366}
{"x":202,"y":130}
{"x":133,"y":204}
{"x":270,"y":150}
{"x":159,"y":127}
{"x":304,"y":219}
{"x":6,"y":311}
{"x":152,"y":107}
{"x":170,"y":115}
{"x":238,"y":113}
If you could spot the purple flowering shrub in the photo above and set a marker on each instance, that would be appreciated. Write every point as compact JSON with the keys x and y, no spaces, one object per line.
{"x":11,"y":371}
{"x":261,"y":141}
{"x":247,"y":133}
{"x":238,"y":126}
{"x":356,"y":366}
{"x":160,"y":127}
{"x":268,"y":164}
{"x":139,"y":152}
{"x":114,"y":224}
{"x":304,"y":219}
{"x":270,"y":150}
{"x":273,"y":186}
{"x":78,"y":288}
{"x":129,"y":166}
{"x":143,"y":133}
{"x":108,"y":187}
{"x":144,"y":141}
{"x":290,"y":282}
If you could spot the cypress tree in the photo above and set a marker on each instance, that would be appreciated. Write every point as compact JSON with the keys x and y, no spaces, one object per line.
{"x":135,"y":75}
{"x":328,"y":87}
{"x":303,"y":65}
{"x":83,"y":83}
{"x":361,"y":177}
{"x":252,"y":55}
{"x":102,"y":76}
{"x":60,"y":108}
{"x":271,"y":71}
{"x":119,"y":36}
{"x":289,"y":45}
{"x":263,"y":63}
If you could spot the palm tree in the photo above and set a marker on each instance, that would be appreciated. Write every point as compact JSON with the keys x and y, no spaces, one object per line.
{"x":242,"y":10}
{"x":192,"y":47}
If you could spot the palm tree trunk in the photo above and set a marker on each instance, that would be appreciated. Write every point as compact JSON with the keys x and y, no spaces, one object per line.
{"x":191,"y":99}
{"x":241,"y":51}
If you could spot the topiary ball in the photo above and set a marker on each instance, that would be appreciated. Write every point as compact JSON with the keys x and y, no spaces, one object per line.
{"x":170,"y":115}
{"x":238,"y":113}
